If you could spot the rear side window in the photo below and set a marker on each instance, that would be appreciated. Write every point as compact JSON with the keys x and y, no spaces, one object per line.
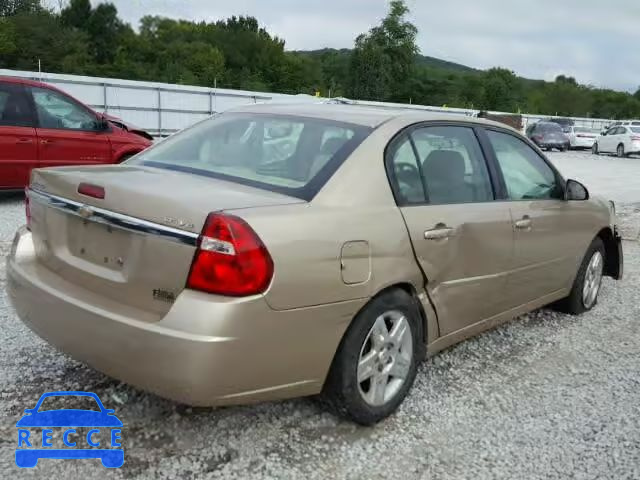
{"x":439,"y":165}
{"x":286,"y":154}
{"x":14,"y":108}
{"x":453,"y":165}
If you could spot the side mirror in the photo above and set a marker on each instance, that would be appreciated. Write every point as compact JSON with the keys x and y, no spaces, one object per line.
{"x":576,"y":191}
{"x":28,"y":410}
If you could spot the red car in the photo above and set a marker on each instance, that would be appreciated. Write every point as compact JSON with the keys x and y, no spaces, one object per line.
{"x":41,"y":126}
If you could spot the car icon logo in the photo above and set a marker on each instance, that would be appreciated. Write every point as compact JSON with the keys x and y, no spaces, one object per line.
{"x":63,"y":433}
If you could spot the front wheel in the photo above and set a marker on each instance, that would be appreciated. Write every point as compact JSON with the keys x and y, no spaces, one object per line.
{"x":586,"y":286}
{"x":594,"y":149}
{"x":377,"y":360}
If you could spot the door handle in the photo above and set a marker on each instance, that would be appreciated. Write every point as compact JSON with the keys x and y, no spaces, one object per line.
{"x":24,"y":141}
{"x":45,"y":141}
{"x":439,"y":233}
{"x":524,"y":223}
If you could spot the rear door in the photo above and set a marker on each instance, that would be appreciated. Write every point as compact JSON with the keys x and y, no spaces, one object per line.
{"x":68,"y":132}
{"x":18,"y":148}
{"x":462,"y":238}
{"x":549,"y":232}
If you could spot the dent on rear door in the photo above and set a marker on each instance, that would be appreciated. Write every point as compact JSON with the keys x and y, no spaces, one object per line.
{"x":466,"y":272}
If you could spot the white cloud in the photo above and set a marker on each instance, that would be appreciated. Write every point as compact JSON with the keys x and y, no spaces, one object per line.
{"x":592,"y":41}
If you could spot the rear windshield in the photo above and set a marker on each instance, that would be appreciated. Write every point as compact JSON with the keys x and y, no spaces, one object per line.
{"x":635,"y":129}
{"x":287,"y":154}
{"x":549,"y":127}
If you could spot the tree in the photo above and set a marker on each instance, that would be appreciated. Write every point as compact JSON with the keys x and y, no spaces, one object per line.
{"x":76,"y":14}
{"x":9,"y":8}
{"x":500,"y":90}
{"x":384,"y":58}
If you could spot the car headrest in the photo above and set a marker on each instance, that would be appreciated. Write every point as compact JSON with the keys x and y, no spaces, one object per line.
{"x":444,"y":166}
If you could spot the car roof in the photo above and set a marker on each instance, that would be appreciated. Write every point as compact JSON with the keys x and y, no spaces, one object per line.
{"x":31,"y":83}
{"x":360,"y":114}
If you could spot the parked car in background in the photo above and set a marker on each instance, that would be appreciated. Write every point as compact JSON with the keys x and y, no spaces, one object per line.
{"x":581,"y":137}
{"x":565,"y":123}
{"x":41,"y":126}
{"x":622,"y":140}
{"x":548,"y":135}
{"x":413,"y":231}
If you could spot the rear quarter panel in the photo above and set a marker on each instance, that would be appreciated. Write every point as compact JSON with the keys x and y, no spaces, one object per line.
{"x":306,"y":240}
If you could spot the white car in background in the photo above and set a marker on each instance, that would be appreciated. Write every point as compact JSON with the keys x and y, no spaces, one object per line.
{"x":621,"y":140}
{"x":581,"y":137}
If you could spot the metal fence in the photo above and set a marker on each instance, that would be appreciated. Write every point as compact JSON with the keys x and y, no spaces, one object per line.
{"x":162,"y":108}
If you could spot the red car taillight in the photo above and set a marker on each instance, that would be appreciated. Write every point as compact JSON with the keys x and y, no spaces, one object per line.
{"x":231,"y":260}
{"x":635,"y":138}
{"x":27,"y":208}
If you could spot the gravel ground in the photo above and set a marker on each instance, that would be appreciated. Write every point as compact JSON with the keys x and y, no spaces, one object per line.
{"x":545,"y":396}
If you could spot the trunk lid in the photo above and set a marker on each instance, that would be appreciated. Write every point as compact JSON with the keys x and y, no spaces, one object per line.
{"x":136,"y":245}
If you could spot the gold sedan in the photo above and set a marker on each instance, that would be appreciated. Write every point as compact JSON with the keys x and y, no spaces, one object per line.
{"x":278,"y":251}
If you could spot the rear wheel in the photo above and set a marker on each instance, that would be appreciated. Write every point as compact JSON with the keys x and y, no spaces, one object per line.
{"x":586,"y":286}
{"x":620,"y":150}
{"x":377,"y":360}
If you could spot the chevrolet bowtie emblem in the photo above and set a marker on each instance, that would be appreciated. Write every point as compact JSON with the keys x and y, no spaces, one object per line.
{"x":85,"y":211}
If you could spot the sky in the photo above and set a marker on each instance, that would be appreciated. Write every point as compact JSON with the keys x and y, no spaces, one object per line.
{"x":590,"y":40}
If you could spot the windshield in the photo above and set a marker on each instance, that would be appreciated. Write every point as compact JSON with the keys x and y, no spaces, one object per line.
{"x":549,"y":128}
{"x":635,"y":129}
{"x":585,"y":130}
{"x":288,"y":154}
{"x":75,"y":402}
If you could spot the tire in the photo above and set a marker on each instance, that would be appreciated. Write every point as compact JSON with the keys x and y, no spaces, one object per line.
{"x":578,"y":302}
{"x":361,"y":355}
{"x":565,"y":148}
{"x":620,"y":151}
{"x":594,"y":149}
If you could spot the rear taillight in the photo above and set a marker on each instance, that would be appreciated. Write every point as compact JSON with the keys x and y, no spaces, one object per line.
{"x":27,"y":208}
{"x":231,"y":260}
{"x":635,"y":138}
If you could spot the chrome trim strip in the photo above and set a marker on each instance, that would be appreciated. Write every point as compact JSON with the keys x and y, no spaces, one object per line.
{"x":113,"y":219}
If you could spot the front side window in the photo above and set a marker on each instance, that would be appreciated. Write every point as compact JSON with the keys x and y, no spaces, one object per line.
{"x":452,"y":165}
{"x":56,"y":111}
{"x":288,"y":154}
{"x":14,"y":108}
{"x":527,"y":176}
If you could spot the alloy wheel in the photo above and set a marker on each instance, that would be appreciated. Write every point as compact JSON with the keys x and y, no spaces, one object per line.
{"x":592,"y":280}
{"x":385,"y":358}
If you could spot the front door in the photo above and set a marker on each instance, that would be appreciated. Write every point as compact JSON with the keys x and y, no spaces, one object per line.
{"x":549,"y":232}
{"x":462,"y":238}
{"x":18,"y":148}
{"x":609,"y":141}
{"x":68,"y":133}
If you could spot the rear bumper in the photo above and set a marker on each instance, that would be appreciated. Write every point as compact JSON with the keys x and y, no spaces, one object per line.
{"x":207,"y":350}
{"x":583,"y":142}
